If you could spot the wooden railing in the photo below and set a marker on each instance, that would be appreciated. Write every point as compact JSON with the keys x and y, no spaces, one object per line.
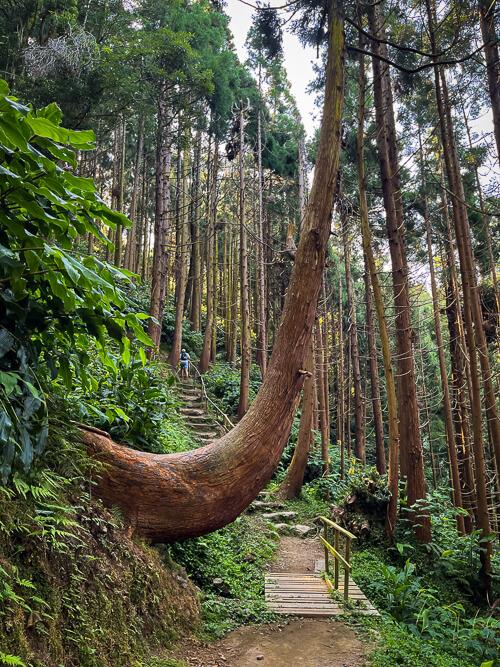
{"x":334,"y":550}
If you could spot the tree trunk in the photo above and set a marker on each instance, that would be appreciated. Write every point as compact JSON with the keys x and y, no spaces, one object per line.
{"x":412,"y":462}
{"x":183,"y":256}
{"x":359,"y":403}
{"x":195,"y":310}
{"x":261,"y":288}
{"x":460,"y":380}
{"x":294,"y":478}
{"x":487,"y":10}
{"x":320,"y":389}
{"x":474,"y":332}
{"x":244,"y":289}
{"x":392,"y":403}
{"x":120,"y":194}
{"x":448,"y":416}
{"x":374,"y":377}
{"x":340,"y":385}
{"x":161,"y":229}
{"x":129,"y":260}
{"x":210,"y":263}
{"x":174,"y":496}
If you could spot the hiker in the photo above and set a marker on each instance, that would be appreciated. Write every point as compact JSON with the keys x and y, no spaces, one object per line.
{"x":185,"y":358}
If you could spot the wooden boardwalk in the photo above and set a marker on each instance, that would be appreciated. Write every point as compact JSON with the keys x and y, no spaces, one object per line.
{"x":306,"y":594}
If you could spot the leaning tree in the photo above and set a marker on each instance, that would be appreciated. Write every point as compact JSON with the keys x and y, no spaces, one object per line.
{"x":173,"y":496}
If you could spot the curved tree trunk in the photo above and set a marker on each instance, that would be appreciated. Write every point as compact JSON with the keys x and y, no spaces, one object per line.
{"x":294,"y":478}
{"x":174,"y":496}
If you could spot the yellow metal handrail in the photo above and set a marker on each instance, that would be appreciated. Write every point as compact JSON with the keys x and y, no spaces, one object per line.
{"x":334,"y":550}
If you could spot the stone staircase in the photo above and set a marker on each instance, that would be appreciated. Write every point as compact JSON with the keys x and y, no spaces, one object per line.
{"x":202,"y":425}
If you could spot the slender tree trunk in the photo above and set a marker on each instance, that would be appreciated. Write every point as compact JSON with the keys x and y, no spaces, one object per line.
{"x":412,"y":462}
{"x":340,"y":385}
{"x":195,"y":311}
{"x":210,"y":249}
{"x":183,"y":254}
{"x":460,"y":383}
{"x":244,"y":289}
{"x":161,"y":228}
{"x":326,"y":362}
{"x":261,"y":288}
{"x":294,"y":478}
{"x":472,"y":312}
{"x":374,"y":377}
{"x":174,"y":496}
{"x":120,"y":195}
{"x":448,"y":415}
{"x":320,"y":389}
{"x":359,"y":404}
{"x":487,"y":9}
{"x":129,"y":260}
{"x":392,"y":403}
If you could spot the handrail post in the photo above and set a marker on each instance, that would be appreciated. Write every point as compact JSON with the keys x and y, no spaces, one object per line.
{"x":336,"y":544}
{"x":325,"y":529}
{"x":346,"y":569}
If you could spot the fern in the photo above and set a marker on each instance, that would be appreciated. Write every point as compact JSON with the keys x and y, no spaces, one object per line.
{"x":11,"y":660}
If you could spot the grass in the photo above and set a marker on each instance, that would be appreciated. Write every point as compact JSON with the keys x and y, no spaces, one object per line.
{"x":229,"y":566}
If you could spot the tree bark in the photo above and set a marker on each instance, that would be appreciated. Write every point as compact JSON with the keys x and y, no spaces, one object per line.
{"x":359,"y":403}
{"x":175,"y":496}
{"x":474,"y":331}
{"x":261,"y":287}
{"x":374,"y":377}
{"x":491,"y":53}
{"x":161,"y":228}
{"x":412,"y":462}
{"x":392,"y":403}
{"x":195,"y":310}
{"x":448,"y":415}
{"x":183,"y":255}
{"x":210,"y":263}
{"x":291,"y":485}
{"x":129,"y":260}
{"x":244,"y":289}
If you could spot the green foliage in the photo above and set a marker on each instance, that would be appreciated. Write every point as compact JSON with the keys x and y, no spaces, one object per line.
{"x":229,"y":567}
{"x":191,"y":340}
{"x":11,"y":660}
{"x":51,"y":299}
{"x":419,"y":615}
{"x":74,"y":590}
{"x":223,"y":382}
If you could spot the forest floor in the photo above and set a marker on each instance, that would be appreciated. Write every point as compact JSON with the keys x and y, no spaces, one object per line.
{"x":305,"y":642}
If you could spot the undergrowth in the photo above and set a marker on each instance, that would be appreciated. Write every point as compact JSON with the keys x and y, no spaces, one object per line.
{"x":229,"y":566}
{"x":136,"y":404}
{"x":74,"y":589}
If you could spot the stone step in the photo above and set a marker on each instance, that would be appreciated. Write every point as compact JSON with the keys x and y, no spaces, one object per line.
{"x":192,"y":411}
{"x":265,"y":506}
{"x":205,"y":435}
{"x":194,"y":404}
{"x":195,"y":396}
{"x":297,"y":530}
{"x":201,"y":427}
{"x":190,"y":390}
{"x":201,"y":418}
{"x":279,"y":517}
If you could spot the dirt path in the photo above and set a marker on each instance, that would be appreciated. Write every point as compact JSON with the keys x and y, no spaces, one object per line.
{"x":304,"y":642}
{"x":296,"y":555}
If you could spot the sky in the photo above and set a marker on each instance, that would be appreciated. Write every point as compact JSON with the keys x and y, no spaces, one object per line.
{"x":297,"y":59}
